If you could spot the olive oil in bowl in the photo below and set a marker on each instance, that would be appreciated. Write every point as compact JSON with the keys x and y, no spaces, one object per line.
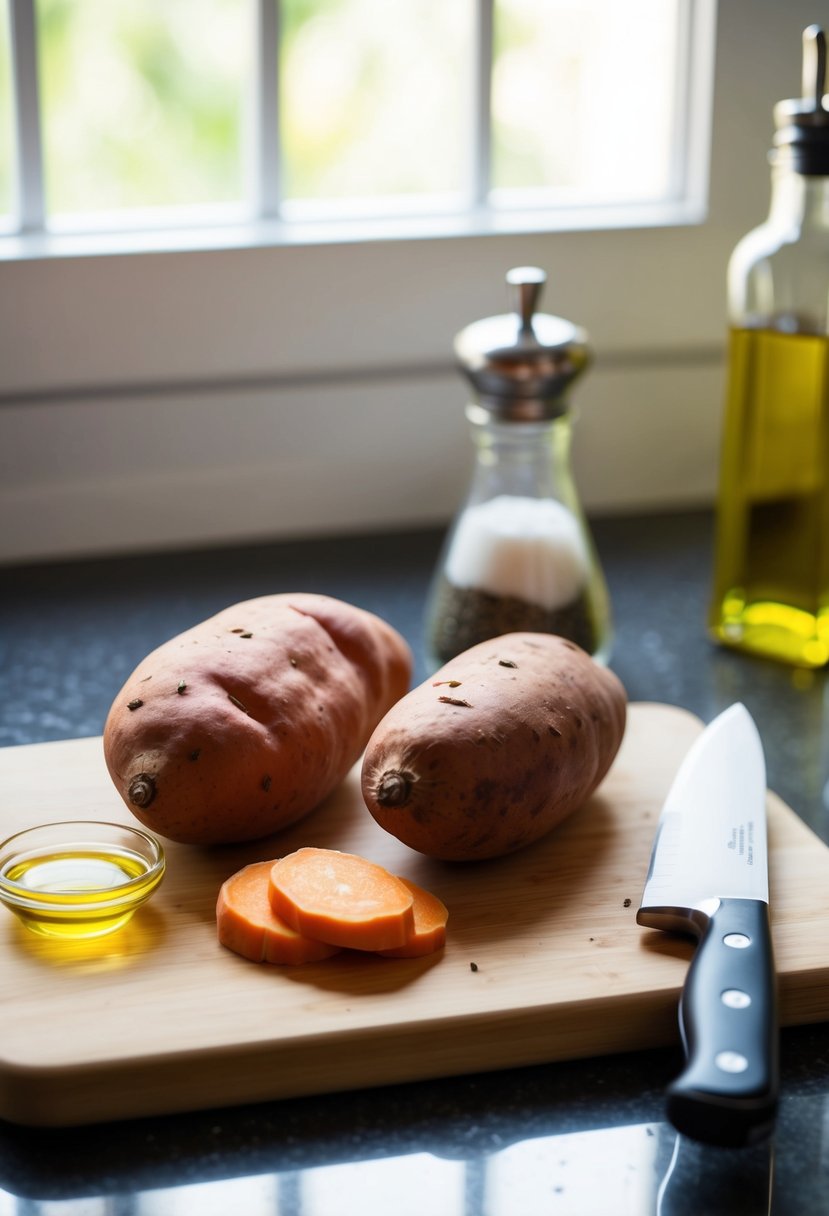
{"x":78,"y":880}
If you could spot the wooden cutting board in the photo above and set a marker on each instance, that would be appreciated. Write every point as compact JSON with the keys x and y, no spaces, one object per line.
{"x":544,"y":959}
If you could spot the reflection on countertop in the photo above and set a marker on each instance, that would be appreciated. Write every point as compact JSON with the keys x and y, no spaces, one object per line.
{"x":632,"y":1170}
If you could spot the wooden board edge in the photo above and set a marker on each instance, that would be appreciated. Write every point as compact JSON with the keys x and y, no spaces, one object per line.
{"x":804,"y":997}
{"x":71,"y":1095}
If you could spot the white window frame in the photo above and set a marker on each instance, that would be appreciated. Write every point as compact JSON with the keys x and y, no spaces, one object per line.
{"x":264,"y":217}
{"x":265,"y":379}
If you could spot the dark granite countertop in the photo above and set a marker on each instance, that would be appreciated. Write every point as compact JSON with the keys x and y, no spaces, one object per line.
{"x":552,"y":1138}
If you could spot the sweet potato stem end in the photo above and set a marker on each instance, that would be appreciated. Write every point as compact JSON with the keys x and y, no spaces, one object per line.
{"x":395,"y":788}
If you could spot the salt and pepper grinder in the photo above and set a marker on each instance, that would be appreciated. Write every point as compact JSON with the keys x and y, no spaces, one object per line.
{"x":519,"y":555}
{"x":771,"y":576}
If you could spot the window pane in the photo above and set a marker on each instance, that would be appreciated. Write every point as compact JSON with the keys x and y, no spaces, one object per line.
{"x":142,"y":102}
{"x":375,"y":102}
{"x":584,"y":98}
{"x":6,"y":124}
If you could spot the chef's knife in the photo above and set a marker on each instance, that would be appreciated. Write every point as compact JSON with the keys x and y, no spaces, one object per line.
{"x":708,"y":877}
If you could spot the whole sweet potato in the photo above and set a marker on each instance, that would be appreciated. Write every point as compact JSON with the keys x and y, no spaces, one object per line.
{"x":244,"y":723}
{"x":494,"y":750}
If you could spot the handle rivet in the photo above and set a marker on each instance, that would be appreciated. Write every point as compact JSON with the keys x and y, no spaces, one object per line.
{"x":737,"y":941}
{"x":735,"y":998}
{"x":731,"y":1061}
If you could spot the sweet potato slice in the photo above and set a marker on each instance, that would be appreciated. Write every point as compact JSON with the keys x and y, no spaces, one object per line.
{"x":430,"y":919}
{"x":247,"y":924}
{"x":342,"y":899}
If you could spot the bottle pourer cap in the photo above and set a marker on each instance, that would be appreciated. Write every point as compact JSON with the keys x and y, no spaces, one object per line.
{"x":802,"y":136}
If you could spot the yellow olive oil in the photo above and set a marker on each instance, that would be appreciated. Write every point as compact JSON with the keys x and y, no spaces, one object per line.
{"x":771,"y":576}
{"x":81,"y":893}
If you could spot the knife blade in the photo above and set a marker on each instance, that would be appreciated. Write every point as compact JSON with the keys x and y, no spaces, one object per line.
{"x":708,"y":877}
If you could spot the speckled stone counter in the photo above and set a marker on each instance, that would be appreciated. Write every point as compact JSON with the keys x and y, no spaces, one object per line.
{"x":581,"y":1137}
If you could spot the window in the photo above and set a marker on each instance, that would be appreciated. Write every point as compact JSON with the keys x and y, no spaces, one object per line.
{"x":6,"y":126}
{"x":375,"y":113}
{"x":141,"y":104}
{"x":477,"y":115}
{"x":263,"y":346}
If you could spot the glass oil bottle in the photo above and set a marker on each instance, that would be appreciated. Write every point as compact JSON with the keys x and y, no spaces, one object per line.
{"x":519,"y":555}
{"x":771,"y":575}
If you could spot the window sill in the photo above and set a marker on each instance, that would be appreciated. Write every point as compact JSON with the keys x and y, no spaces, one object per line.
{"x":226,"y":229}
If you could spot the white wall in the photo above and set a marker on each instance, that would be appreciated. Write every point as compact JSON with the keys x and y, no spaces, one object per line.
{"x":167,"y":398}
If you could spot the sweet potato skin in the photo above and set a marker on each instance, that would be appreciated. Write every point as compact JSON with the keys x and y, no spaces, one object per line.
{"x":243,"y":724}
{"x":495,"y":749}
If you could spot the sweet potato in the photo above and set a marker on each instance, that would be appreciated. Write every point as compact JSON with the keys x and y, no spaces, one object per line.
{"x":495,"y":749}
{"x":244,"y":723}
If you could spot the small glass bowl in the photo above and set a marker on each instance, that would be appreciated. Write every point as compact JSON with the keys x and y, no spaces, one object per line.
{"x":78,"y":879}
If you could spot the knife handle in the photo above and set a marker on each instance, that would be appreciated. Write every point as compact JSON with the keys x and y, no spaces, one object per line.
{"x":727,"y":1093}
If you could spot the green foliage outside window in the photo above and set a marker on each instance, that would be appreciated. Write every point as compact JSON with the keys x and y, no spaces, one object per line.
{"x":142,"y":102}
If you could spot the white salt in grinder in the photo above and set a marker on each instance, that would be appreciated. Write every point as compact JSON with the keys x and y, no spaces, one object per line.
{"x":519,"y":555}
